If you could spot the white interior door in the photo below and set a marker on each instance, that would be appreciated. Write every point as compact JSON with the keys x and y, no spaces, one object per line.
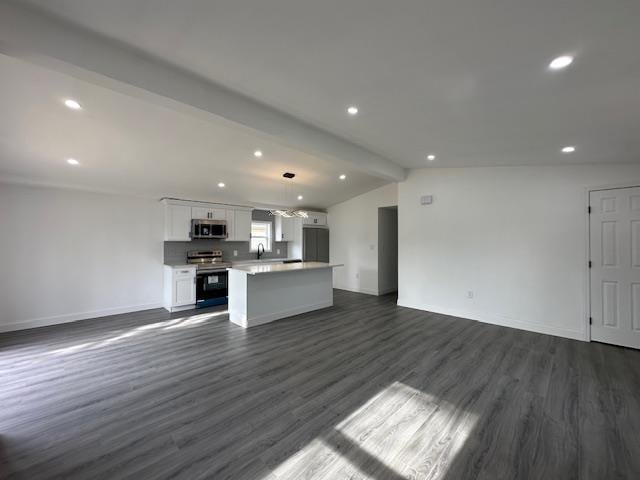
{"x":614,"y":229}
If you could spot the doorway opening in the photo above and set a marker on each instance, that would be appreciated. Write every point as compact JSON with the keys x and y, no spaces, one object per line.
{"x":387,"y":250}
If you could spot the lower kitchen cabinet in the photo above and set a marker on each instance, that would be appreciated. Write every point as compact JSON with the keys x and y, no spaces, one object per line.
{"x":179,"y":287}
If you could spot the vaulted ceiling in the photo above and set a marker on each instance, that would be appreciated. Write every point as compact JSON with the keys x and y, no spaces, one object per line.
{"x":127,"y":145}
{"x":466,"y":80}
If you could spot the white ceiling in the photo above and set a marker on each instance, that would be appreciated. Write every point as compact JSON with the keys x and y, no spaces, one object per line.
{"x":126,"y":145}
{"x":465,"y":79}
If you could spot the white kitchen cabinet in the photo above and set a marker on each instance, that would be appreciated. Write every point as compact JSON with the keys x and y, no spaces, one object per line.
{"x":278,"y":223}
{"x":207,"y":213}
{"x":295,"y":244}
{"x":317,"y":219}
{"x":242,"y":225}
{"x":179,"y":213}
{"x":285,"y":229}
{"x":231,"y":224}
{"x":200,"y":213}
{"x":184,"y":291}
{"x":177,"y":223}
{"x":238,"y":225}
{"x":179,"y":287}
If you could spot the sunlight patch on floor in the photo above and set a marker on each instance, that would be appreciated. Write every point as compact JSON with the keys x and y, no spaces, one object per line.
{"x":174,"y":323}
{"x":316,"y":460}
{"x":196,"y":320}
{"x":400,"y":433}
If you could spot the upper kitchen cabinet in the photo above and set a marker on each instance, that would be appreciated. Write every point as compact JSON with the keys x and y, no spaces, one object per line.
{"x":285,"y":229}
{"x":177,"y":223}
{"x":238,"y":224}
{"x":317,"y":219}
{"x":208,"y":213}
{"x":179,"y":213}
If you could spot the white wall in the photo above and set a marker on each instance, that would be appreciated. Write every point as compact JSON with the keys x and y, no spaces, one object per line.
{"x":515,"y":236}
{"x":68,"y":255}
{"x":354,"y":239}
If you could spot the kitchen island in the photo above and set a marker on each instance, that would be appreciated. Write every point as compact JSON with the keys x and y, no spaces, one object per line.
{"x":260,"y":294}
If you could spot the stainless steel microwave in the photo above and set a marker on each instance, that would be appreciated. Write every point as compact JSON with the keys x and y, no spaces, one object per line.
{"x":208,"y":228}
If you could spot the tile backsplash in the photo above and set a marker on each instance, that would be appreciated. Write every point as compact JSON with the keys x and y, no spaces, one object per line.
{"x":177,"y":251}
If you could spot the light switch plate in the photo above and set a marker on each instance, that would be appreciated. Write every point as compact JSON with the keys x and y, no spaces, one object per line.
{"x":235,"y":253}
{"x":426,"y":200}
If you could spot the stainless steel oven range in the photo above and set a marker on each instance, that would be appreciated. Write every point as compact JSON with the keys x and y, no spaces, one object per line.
{"x":211,"y":277}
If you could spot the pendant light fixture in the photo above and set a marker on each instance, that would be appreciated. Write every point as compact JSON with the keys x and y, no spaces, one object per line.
{"x":288,"y":212}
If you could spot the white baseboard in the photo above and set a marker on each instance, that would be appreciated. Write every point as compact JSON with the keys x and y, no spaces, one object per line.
{"x":179,"y":309}
{"x":241,"y":319}
{"x":497,"y":320}
{"x":74,"y":317}
{"x":356,"y":290}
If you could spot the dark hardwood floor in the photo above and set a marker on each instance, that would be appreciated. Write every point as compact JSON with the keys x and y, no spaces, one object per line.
{"x":362,"y":390}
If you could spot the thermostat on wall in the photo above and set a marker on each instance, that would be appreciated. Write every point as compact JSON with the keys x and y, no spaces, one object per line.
{"x":426,"y":199}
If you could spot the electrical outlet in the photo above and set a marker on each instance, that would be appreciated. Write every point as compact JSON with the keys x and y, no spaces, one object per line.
{"x":470,"y":294}
{"x":235,"y":253}
{"x":278,"y":251}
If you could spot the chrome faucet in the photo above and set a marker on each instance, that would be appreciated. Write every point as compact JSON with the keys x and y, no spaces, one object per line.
{"x":259,"y":252}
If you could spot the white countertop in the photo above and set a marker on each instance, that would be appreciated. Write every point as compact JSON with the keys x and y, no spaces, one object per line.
{"x":262,"y":261}
{"x":179,"y":265}
{"x":282,"y":267}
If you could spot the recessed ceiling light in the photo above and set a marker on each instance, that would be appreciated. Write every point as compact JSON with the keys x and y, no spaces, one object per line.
{"x":569,"y":149}
{"x":561,"y":62}
{"x":431,"y":157}
{"x":72,"y":161}
{"x":257,"y":153}
{"x":221,"y":184}
{"x":352,"y":110}
{"x":342,"y":177}
{"x":72,"y":104}
{"x":300,"y":197}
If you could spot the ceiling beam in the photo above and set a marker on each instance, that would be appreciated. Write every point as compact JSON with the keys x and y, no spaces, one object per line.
{"x":39,"y":38}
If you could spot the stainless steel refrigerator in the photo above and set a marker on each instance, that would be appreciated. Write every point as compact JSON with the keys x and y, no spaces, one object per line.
{"x":315,"y":246}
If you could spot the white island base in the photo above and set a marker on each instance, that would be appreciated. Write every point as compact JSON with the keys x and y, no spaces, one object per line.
{"x":260,"y":294}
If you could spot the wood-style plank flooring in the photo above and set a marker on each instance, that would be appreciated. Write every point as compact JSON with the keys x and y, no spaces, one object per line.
{"x":365,"y":389}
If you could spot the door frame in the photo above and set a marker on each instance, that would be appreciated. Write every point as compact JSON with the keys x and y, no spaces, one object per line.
{"x":588,"y":190}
